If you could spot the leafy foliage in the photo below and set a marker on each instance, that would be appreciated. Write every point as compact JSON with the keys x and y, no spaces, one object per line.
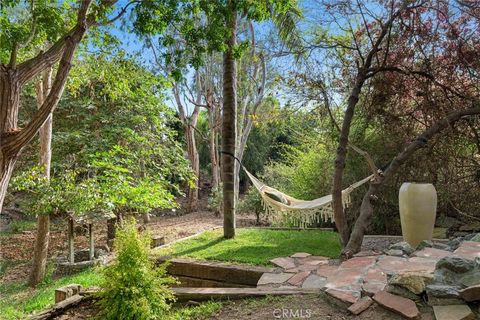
{"x":134,"y":288}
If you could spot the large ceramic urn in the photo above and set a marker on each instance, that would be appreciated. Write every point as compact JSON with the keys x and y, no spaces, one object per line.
{"x":418,"y":208}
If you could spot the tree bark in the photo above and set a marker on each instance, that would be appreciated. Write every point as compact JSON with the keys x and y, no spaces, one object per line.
{"x":339,"y":165}
{"x":366,"y":210}
{"x":192,"y":152}
{"x":40,"y":251}
{"x":229,"y":126}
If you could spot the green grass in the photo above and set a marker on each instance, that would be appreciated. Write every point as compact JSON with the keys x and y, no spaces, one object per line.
{"x":203,"y":311}
{"x":255,"y":246}
{"x":17,"y":300}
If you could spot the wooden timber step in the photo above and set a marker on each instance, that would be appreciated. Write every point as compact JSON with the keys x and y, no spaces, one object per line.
{"x":199,"y":294}
{"x":235,"y":275}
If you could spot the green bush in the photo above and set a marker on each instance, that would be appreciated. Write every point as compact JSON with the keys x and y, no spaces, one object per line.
{"x":134,"y":288}
{"x":251,"y":203}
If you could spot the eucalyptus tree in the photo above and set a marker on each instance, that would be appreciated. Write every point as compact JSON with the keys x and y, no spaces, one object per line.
{"x":219,"y":33}
{"x":23,"y":26}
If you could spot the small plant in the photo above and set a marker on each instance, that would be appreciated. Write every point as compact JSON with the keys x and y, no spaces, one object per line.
{"x":216,"y":199}
{"x":134,"y":288}
{"x":252,"y":202}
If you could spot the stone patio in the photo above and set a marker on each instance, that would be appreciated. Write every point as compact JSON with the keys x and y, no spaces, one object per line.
{"x":373,"y":274}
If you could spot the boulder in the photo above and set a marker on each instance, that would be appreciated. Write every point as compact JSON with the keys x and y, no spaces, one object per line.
{"x":443,"y":295}
{"x":425,"y":244}
{"x":455,"y":264}
{"x":476,"y":237}
{"x":403,"y":246}
{"x":414,"y":281}
{"x":442,"y":246}
{"x":471,"y":279}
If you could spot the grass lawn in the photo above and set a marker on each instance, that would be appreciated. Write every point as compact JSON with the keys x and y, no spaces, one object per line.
{"x":256,"y":246}
{"x":17,"y":300}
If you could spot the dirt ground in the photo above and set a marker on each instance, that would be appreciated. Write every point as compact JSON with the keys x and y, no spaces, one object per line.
{"x":289,"y":307}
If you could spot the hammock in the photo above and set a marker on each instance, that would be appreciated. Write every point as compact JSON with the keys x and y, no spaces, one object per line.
{"x":301,"y":213}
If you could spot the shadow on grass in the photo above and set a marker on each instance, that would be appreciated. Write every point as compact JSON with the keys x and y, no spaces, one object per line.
{"x":201,"y":247}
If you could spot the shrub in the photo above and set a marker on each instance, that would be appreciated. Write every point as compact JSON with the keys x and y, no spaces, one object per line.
{"x":134,"y":288}
{"x":252,"y":202}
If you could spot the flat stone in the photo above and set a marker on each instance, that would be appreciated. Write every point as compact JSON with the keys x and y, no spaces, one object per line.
{"x":367,"y":253}
{"x":431,"y":253}
{"x":274,"y":278}
{"x":471,"y":293}
{"x":453,"y":312}
{"x":298,"y":278}
{"x":420,"y":264}
{"x":472,"y":244}
{"x":358,"y":262}
{"x":302,"y":268}
{"x":468,"y":252}
{"x":300,"y":255}
{"x":361,"y":305}
{"x":476,"y":238}
{"x":455,"y":264}
{"x":314,"y":282}
{"x":400,"y":305}
{"x":314,"y":260}
{"x":345,"y":277}
{"x":347,"y":296}
{"x":285,"y":263}
{"x":389,"y":263}
{"x":326,"y":270}
{"x":442,"y":246}
{"x":371,"y":288}
{"x":412,"y":281}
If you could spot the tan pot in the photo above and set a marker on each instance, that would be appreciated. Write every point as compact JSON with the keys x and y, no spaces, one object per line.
{"x":418,"y":208}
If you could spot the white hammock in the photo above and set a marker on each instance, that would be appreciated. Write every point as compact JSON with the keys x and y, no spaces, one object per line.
{"x":301,"y":213}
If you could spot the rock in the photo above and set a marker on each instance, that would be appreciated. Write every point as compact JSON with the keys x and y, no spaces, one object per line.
{"x":471,"y":293}
{"x":453,"y":312}
{"x":401,"y":291}
{"x":476,"y":238}
{"x":440,"y":295}
{"x":314,"y":260}
{"x":274,"y":278}
{"x":472,"y":226}
{"x":455,"y":264}
{"x":400,"y":305}
{"x":460,"y":234}
{"x":285,"y":263}
{"x":471,"y":279}
{"x":432,"y":253}
{"x":403,"y":246}
{"x":454,"y":243}
{"x":425,"y":244}
{"x":442,"y":291}
{"x":66,"y":292}
{"x":314,"y":282}
{"x":361,"y":305}
{"x":442,"y":246}
{"x":346,"y":296}
{"x":300,"y":255}
{"x":395,"y":253}
{"x":298,"y":278}
{"x":412,"y":281}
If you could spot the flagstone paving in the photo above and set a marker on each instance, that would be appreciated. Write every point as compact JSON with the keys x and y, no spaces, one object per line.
{"x":363,"y":275}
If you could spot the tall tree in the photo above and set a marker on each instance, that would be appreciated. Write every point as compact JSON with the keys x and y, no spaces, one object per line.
{"x":40,"y":251}
{"x":14,"y":75}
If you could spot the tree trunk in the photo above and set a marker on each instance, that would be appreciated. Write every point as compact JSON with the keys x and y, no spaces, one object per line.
{"x":71,"y":241}
{"x":366,"y":210}
{"x":40,"y":251}
{"x":229,"y":126}
{"x":212,"y":137}
{"x":192,"y":151}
